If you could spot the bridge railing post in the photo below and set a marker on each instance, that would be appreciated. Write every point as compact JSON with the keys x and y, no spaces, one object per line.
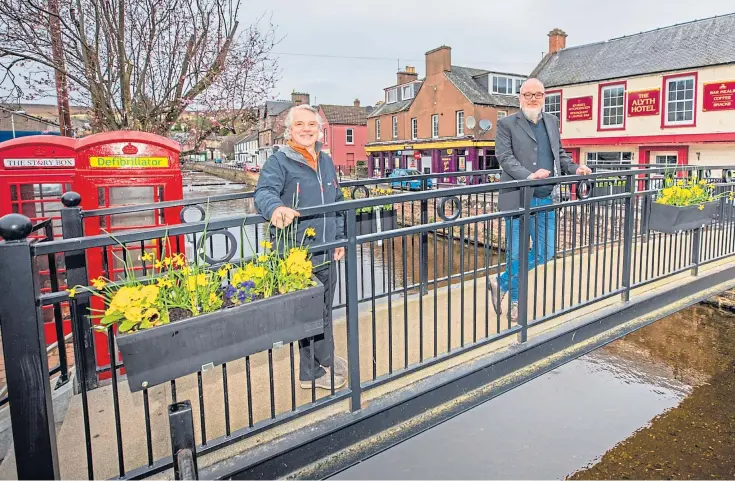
{"x":24,"y":350}
{"x":76,"y":275}
{"x":353,"y":334}
{"x":523,"y":247}
{"x":628,"y":236}
{"x":424,"y":245}
{"x":183,"y":444}
{"x":696,"y":250}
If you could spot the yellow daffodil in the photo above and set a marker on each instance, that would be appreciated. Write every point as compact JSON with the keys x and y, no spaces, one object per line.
{"x":213,"y":297}
{"x":146,"y":257}
{"x":72,"y":292}
{"x":701,"y":207}
{"x":222,"y":272}
{"x":158,"y":264}
{"x":191,"y":283}
{"x":165,"y":282}
{"x":310,"y":232}
{"x":266,"y":244}
{"x":167,"y":261}
{"x":262,"y":258}
{"x":99,"y":283}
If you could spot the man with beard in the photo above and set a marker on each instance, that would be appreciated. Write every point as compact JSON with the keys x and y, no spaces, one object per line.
{"x":528,"y":146}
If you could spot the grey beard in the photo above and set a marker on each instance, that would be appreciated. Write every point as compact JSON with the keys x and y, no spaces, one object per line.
{"x":532,"y":115}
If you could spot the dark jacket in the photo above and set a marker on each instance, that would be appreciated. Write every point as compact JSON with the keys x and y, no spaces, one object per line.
{"x":516,"y":151}
{"x":287,"y":179}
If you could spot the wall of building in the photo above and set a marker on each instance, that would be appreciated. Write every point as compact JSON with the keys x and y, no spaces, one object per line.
{"x":705,"y":122}
{"x":338,"y":147}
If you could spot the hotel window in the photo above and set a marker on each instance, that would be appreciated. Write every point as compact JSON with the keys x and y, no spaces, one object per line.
{"x":434,"y":126}
{"x":610,"y":157}
{"x":502,"y":114}
{"x":460,"y":123}
{"x":392,"y":96}
{"x":680,"y":101}
{"x":395,"y":127}
{"x":666,"y":159}
{"x":613,"y":106}
{"x":407,"y":92}
{"x":350,"y":134}
{"x":414,"y":128}
{"x":552,"y":105}
{"x":377,"y":129}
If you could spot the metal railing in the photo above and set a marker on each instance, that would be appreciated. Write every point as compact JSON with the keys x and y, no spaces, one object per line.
{"x":412,"y":295}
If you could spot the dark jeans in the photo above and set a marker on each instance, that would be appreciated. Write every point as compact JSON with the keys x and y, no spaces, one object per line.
{"x":323,"y":343}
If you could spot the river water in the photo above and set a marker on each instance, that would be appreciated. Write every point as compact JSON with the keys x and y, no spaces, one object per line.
{"x":656,"y":404}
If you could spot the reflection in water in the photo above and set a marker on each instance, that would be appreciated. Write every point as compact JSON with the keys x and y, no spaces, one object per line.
{"x":568,"y":418}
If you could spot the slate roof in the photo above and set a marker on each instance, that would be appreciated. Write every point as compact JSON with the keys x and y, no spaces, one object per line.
{"x":464,"y":79}
{"x":275,"y":107}
{"x":345,"y":114}
{"x":699,"y":43}
{"x":384,"y":108}
{"x":247,"y":137}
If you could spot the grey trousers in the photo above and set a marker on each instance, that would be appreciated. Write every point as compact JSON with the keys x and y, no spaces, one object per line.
{"x":323,"y":343}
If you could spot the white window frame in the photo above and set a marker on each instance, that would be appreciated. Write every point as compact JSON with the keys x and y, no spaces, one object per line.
{"x":414,"y":128}
{"x":594,"y":157}
{"x":693,"y":100}
{"x":605,"y":110}
{"x":407,"y":88}
{"x":349,"y":136}
{"x":502,"y":114}
{"x":391,"y":96}
{"x":434,"y":126}
{"x":546,"y":103}
{"x":460,"y":122}
{"x":395,"y":126}
{"x":377,"y":129}
{"x":512,"y":85}
{"x":666,"y":158}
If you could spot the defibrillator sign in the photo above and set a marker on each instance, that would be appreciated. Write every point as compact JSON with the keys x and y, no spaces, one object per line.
{"x":115,"y":162}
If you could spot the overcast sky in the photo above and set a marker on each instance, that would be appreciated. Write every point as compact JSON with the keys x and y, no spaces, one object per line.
{"x":508,"y":36}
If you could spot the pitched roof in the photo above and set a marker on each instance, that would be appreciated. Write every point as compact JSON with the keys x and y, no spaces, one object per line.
{"x":275,"y":107}
{"x":465,"y":79}
{"x":392,"y":108}
{"x":345,"y":114}
{"x":699,"y":43}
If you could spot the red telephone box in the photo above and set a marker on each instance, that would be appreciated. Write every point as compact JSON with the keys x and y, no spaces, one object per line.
{"x":118,"y":169}
{"x":35,"y":171}
{"x":108,"y":170}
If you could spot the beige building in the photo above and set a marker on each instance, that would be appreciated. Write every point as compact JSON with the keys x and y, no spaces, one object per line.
{"x":663,"y":96}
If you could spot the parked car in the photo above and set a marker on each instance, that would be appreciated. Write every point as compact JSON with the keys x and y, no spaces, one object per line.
{"x":414,"y":184}
{"x":252,"y":168}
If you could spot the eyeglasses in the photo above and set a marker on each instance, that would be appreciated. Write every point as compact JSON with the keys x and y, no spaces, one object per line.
{"x":302,"y":125}
{"x":537,"y":95}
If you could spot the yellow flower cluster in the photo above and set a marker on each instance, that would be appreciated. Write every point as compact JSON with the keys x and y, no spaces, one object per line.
{"x":683,"y":193}
{"x":134,"y":306}
{"x":297,"y":264}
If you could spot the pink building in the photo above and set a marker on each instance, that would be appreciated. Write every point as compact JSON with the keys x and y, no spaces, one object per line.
{"x":345,"y":133}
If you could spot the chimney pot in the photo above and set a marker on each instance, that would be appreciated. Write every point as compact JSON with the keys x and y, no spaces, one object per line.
{"x":406,"y":76}
{"x":557,"y":40}
{"x":357,"y":102}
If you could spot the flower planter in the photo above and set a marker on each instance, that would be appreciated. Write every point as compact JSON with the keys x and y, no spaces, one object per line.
{"x":670,"y":219}
{"x":160,"y":354}
{"x":366,"y":221}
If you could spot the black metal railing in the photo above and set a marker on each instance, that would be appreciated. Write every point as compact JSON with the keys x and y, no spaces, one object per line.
{"x":410,"y":295}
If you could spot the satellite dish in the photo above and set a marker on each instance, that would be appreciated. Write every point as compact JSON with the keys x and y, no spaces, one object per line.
{"x":470,"y":122}
{"x":485,"y":125}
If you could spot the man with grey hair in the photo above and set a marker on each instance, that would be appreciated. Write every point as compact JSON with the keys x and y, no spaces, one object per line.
{"x":300,"y":170}
{"x":528,"y":146}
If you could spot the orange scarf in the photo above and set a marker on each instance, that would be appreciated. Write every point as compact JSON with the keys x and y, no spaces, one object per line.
{"x":301,"y":150}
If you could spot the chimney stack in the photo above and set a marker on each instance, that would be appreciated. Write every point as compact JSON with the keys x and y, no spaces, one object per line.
{"x":357,"y":102}
{"x":438,"y":60}
{"x":557,"y":40}
{"x":299,"y":98}
{"x":408,"y":75}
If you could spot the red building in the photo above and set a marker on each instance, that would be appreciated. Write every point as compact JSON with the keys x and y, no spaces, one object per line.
{"x":345,"y":133}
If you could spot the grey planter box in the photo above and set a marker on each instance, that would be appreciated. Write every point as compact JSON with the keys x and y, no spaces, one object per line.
{"x":670,"y":219}
{"x":366,"y":221}
{"x":160,"y":354}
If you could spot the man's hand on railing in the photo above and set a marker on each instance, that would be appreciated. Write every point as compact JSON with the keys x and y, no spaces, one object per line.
{"x":583,"y":170}
{"x":283,"y":216}
{"x":339,"y":253}
{"x":540,"y":174}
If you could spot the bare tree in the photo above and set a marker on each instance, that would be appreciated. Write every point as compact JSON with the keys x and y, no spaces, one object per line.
{"x":139,"y":64}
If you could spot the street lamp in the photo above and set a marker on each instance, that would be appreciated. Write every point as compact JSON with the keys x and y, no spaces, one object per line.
{"x":12,"y":119}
